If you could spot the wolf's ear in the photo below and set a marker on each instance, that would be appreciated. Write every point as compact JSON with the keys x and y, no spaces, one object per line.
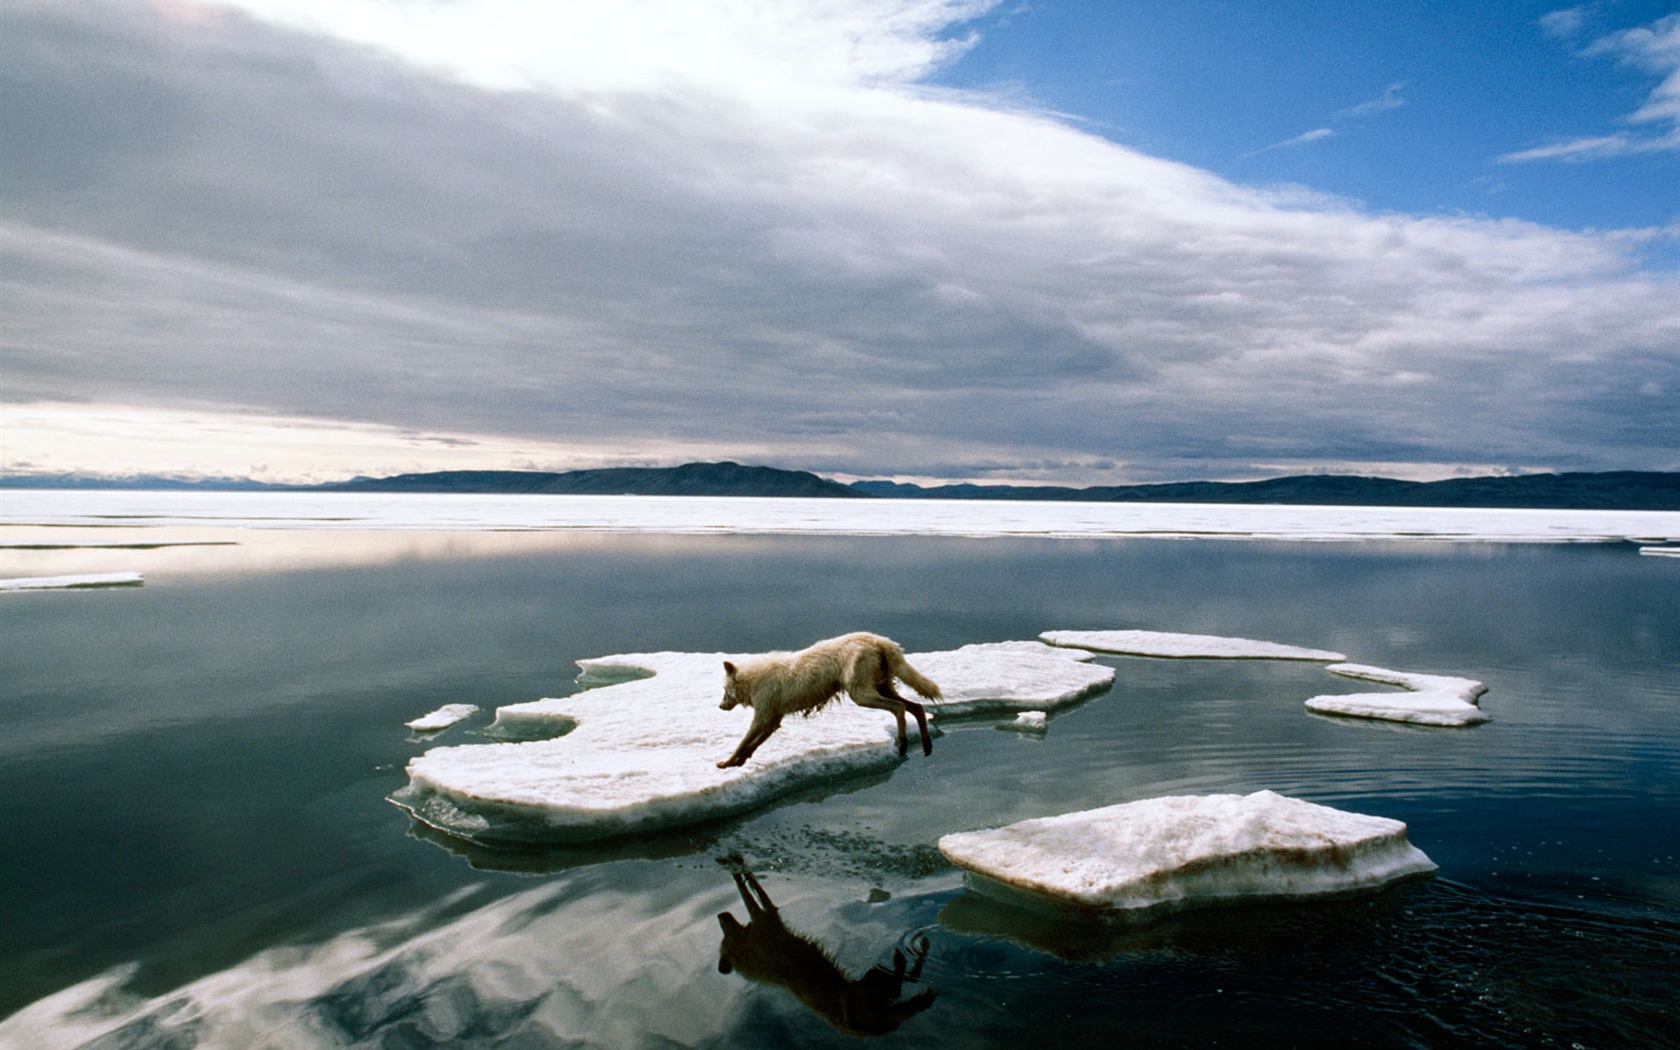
{"x":729,"y":669}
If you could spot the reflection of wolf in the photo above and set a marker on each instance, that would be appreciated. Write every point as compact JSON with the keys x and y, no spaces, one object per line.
{"x":861,"y":665}
{"x":766,"y":951}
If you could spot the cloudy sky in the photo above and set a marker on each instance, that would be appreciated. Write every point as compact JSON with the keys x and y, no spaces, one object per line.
{"x":1034,"y":240}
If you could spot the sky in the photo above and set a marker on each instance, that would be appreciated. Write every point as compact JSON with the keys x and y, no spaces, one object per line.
{"x":932,"y":240}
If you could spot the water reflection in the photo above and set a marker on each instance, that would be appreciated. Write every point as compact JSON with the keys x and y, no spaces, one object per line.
{"x":765,"y":951}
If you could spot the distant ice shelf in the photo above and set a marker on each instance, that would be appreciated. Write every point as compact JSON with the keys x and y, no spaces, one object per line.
{"x":1667,"y":552}
{"x":45,"y":583}
{"x":1163,"y":854}
{"x":640,"y":754}
{"x":1185,"y":646}
{"x":1434,"y":700}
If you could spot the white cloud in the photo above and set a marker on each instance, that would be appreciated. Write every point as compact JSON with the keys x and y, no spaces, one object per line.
{"x":1389,"y":99}
{"x":1564,"y":23}
{"x":1655,"y":126}
{"x":844,"y":272}
{"x":753,"y":46}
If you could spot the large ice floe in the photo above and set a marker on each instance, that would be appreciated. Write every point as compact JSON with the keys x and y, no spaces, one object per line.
{"x":1140,"y":859}
{"x":51,"y":583}
{"x":638,"y":752}
{"x":1186,"y":646}
{"x":1433,"y":700}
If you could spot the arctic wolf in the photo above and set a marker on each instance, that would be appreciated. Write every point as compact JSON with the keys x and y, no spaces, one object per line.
{"x":861,"y":665}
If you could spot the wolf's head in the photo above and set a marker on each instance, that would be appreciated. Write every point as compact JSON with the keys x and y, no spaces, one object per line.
{"x":734,"y":694}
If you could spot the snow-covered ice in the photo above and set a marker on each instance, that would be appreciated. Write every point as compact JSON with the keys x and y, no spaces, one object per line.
{"x":442,"y":718}
{"x":1163,"y":854}
{"x":44,"y":583}
{"x":640,"y":754}
{"x":861,"y":517}
{"x":1668,"y":552}
{"x":1186,"y":646}
{"x":1435,"y":700}
{"x":1031,"y":721}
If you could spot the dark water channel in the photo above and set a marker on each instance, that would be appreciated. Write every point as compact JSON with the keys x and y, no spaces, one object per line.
{"x":197,"y":848}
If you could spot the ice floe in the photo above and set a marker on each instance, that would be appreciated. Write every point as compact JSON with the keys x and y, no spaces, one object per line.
{"x":1163,"y":854}
{"x":1031,"y":721}
{"x":640,"y":754}
{"x":1186,"y":646}
{"x":44,"y":583}
{"x":1435,"y":700}
{"x":1669,"y":552}
{"x":442,"y":718}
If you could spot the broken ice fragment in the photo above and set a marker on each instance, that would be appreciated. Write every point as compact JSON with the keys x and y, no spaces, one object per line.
{"x":1185,"y":646}
{"x":442,"y":718}
{"x":1435,"y":700}
{"x":1162,"y":854}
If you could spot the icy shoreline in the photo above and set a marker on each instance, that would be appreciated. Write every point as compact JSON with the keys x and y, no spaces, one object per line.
{"x":864,"y":517}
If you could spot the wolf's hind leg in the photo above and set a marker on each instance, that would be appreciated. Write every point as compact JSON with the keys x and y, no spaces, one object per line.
{"x":873,"y":698}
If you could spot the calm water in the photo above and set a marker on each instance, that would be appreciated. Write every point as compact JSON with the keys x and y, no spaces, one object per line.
{"x":198,"y":848}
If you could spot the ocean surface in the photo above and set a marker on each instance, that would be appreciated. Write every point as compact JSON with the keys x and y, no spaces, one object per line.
{"x":199,"y":849}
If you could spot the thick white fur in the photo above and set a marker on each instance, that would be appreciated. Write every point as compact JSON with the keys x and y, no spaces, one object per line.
{"x":860,"y":665}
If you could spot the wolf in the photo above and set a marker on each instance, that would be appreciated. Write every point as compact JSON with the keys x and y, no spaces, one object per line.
{"x":764,"y":950}
{"x":860,"y":665}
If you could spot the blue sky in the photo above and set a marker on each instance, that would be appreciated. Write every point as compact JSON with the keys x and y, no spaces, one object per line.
{"x":932,"y":240}
{"x":1405,"y":107}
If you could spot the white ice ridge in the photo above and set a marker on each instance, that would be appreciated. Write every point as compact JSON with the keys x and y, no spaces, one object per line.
{"x":1182,"y":851}
{"x":1186,"y":646}
{"x":1669,"y":552}
{"x":442,"y":718}
{"x":1434,"y":700}
{"x":43,"y":583}
{"x":641,"y":754}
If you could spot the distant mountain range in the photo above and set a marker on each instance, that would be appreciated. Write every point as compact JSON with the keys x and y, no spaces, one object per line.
{"x":1616,"y":490}
{"x":690,"y":479}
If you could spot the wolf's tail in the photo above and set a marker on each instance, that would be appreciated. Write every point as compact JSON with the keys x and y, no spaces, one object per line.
{"x":901,"y":670}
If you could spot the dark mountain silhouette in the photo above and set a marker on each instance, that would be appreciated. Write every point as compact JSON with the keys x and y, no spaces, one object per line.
{"x":1616,"y":490}
{"x":690,"y":479}
{"x":1613,"y":490}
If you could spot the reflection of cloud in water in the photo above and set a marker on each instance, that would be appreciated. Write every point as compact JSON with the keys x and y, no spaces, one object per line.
{"x":599,"y":958}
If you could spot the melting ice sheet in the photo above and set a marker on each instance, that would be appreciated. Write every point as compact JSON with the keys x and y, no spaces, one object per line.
{"x":1163,"y":854}
{"x":1434,"y":700}
{"x":1186,"y":646}
{"x":641,"y":754}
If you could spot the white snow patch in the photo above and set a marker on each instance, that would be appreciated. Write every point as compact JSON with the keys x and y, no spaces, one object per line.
{"x":1435,"y":700}
{"x":1183,"y":851}
{"x":442,"y":718}
{"x":1185,"y":646}
{"x":43,"y":583}
{"x":640,"y":754}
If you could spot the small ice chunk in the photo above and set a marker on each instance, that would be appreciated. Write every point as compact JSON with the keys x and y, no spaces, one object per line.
{"x":1002,"y":678}
{"x":442,"y":718}
{"x":1183,"y":851}
{"x":42,"y":583}
{"x":1669,"y":552}
{"x":640,"y":754}
{"x":1433,"y":700}
{"x":1185,"y":646}
{"x":1031,"y":721}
